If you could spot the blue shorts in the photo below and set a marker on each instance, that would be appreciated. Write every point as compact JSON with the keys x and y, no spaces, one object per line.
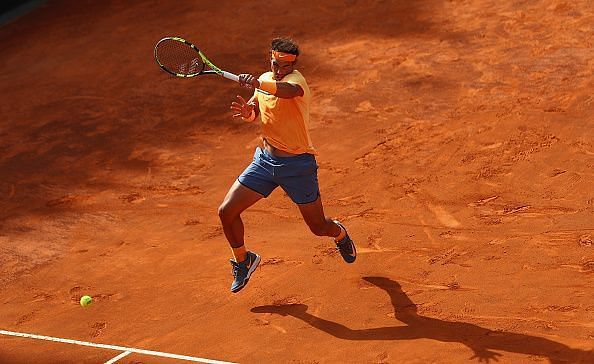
{"x":297,"y":176}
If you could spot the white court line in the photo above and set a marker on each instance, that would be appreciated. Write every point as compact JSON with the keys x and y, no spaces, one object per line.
{"x":115,"y":347}
{"x":113,"y":360}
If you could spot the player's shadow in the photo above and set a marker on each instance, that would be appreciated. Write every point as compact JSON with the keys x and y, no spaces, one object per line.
{"x":480,"y":340}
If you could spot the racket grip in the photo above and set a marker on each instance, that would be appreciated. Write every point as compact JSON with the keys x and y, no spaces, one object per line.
{"x":230,"y":76}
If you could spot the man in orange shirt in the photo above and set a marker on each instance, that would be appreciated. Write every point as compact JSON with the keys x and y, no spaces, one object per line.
{"x":287,"y":159}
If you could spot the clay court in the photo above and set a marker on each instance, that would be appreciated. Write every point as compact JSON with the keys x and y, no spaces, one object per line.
{"x":455,"y":140}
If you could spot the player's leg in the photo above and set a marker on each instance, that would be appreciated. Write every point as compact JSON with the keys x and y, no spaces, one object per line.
{"x":320,"y":225}
{"x":252,"y":185}
{"x":299,"y":179}
{"x":237,"y":200}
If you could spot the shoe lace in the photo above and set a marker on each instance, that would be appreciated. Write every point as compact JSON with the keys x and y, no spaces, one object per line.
{"x":235,"y":268}
{"x":344,"y":245}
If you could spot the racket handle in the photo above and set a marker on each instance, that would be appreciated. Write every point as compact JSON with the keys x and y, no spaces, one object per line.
{"x":231,"y":76}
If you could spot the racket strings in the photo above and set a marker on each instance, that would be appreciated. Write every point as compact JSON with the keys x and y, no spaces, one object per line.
{"x":179,"y":57}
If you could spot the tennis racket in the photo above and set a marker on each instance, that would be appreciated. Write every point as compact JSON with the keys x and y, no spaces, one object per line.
{"x":181,"y":58}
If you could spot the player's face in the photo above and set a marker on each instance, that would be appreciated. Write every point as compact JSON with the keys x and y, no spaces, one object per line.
{"x":281,"y":68}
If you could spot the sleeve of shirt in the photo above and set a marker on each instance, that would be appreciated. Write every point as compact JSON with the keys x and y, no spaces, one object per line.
{"x":266,"y":76}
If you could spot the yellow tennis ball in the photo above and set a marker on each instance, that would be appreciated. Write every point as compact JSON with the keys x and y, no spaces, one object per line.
{"x":85,"y":301}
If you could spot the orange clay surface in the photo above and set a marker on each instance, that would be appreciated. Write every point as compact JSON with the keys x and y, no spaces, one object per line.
{"x":456,"y":143}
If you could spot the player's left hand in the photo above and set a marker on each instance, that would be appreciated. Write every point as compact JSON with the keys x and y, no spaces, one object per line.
{"x":241,"y":108}
{"x":484,"y":355}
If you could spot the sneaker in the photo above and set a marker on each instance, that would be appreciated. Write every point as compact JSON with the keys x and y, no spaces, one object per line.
{"x":346,"y":247}
{"x":243,"y":270}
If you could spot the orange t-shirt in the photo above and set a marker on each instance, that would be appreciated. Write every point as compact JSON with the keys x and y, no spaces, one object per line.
{"x":285,"y":122}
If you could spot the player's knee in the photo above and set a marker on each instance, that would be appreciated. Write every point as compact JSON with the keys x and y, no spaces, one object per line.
{"x":225,"y":213}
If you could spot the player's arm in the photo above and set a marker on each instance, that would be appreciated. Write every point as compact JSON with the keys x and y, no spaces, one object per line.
{"x":283,"y":90}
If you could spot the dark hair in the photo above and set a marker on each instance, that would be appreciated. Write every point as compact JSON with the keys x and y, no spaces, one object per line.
{"x":286,"y":45}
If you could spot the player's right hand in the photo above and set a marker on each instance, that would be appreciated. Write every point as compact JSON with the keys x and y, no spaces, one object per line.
{"x":248,"y":81}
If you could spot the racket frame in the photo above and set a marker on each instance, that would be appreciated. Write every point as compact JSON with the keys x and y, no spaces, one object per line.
{"x":213,"y":69}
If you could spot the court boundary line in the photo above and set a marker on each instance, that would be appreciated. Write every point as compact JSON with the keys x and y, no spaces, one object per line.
{"x":120,"y":356}
{"x":123,"y":349}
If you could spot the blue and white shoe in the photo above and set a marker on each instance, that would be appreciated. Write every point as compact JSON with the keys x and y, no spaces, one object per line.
{"x":243,"y":270}
{"x":345,"y":246}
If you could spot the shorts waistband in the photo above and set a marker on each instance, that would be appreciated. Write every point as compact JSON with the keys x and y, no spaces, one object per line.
{"x":296,"y":157}
{"x":277,"y":153}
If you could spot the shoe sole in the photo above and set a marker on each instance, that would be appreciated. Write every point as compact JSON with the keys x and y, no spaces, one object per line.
{"x":249,"y":274}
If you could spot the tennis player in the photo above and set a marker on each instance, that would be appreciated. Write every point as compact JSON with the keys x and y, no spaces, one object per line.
{"x":287,"y":159}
